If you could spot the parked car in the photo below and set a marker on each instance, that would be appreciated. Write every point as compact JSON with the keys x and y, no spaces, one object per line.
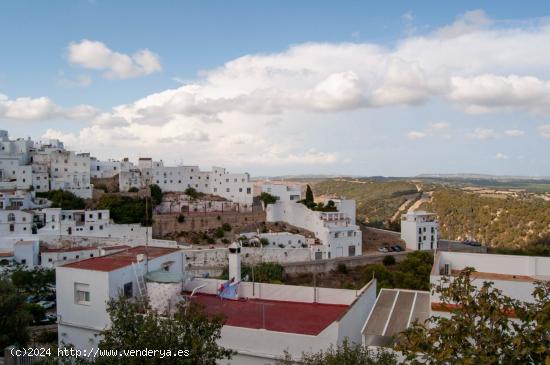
{"x":32,"y":299}
{"x":49,"y":318}
{"x":397,"y":248}
{"x":46,"y":304}
{"x":383,"y":249}
{"x":474,"y":243}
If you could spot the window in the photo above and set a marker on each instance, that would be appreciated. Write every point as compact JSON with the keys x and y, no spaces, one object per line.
{"x":99,"y":215}
{"x":12,"y":227}
{"x":77,"y":256}
{"x":101,"y":227}
{"x":240,"y":190}
{"x":248,"y":190}
{"x":91,"y":228}
{"x":23,"y":261}
{"x":91,"y":255}
{"x":11,"y":217}
{"x":227,"y":190}
{"x":81,"y":293}
{"x":127,"y":290}
{"x":419,"y":230}
{"x":64,"y":258}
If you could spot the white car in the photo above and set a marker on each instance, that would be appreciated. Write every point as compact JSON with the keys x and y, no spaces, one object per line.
{"x":46,"y":304}
{"x":383,"y":249}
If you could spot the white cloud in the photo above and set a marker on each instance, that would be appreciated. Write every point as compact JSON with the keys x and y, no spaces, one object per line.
{"x":78,"y":81}
{"x":97,"y":56}
{"x":413,"y":135}
{"x":469,"y":22}
{"x":514,"y":132}
{"x":41,"y":108}
{"x":483,"y":134}
{"x":501,"y":156}
{"x":544,"y":130}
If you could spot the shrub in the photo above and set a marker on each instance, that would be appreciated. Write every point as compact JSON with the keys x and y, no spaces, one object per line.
{"x":267,"y":198}
{"x":219,"y":232}
{"x":264,"y":241}
{"x":388,"y":260}
{"x":156,"y":194}
{"x":133,"y":189}
{"x":63,"y":199}
{"x":227,"y":227}
{"x":342,"y":268}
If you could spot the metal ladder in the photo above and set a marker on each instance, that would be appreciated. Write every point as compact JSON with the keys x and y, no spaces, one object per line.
{"x":142,"y":287}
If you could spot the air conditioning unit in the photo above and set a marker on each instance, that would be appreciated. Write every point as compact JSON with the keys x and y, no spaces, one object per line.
{"x":447,"y":269}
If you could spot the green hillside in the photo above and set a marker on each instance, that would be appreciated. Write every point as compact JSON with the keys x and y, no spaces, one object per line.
{"x":497,"y":222}
{"x":377,"y":199}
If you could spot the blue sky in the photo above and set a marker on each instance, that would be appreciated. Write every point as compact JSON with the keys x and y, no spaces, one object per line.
{"x":273,"y":87}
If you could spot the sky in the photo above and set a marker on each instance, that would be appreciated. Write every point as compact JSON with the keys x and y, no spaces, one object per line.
{"x":285,"y":87}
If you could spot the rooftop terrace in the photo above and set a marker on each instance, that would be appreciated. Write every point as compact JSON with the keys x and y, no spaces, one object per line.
{"x":120,"y":259}
{"x":281,"y":316}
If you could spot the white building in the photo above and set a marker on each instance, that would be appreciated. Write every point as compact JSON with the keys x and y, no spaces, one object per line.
{"x":234,"y":187}
{"x":104,"y":169}
{"x":278,"y":239}
{"x":273,"y":318}
{"x":21,"y":250}
{"x":419,"y":230}
{"x":53,"y":257}
{"x":85,"y":287}
{"x":57,"y":223}
{"x":337,"y":232}
{"x":16,"y":222}
{"x":514,"y":275}
{"x":20,"y":199}
{"x":283,"y":191}
{"x":71,"y":171}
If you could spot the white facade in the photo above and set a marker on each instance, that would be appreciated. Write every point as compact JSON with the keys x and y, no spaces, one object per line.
{"x":282,"y":191}
{"x":234,"y":187}
{"x":337,"y":232}
{"x":15,"y":222}
{"x":514,"y":275}
{"x":20,"y":200}
{"x":419,"y":230}
{"x":85,"y":287}
{"x":71,"y":171}
{"x":89,"y":223}
{"x":22,"y":249}
{"x":279,"y":239}
{"x":51,"y":258}
{"x":104,"y":169}
{"x":263,"y":346}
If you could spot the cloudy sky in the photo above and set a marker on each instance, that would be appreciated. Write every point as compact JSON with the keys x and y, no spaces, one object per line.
{"x":271,"y":87}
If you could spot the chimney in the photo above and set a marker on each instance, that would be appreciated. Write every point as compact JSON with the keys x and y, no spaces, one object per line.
{"x":234,"y":256}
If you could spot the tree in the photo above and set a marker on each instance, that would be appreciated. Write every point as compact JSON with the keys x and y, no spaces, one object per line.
{"x":388,"y":260}
{"x":63,"y":199}
{"x":156,"y":194}
{"x":189,"y":328}
{"x":193,"y":193}
{"x":344,"y":354}
{"x":14,"y":319}
{"x":309,"y":200}
{"x":479,"y":330}
{"x":126,"y":209}
{"x":267,"y":198}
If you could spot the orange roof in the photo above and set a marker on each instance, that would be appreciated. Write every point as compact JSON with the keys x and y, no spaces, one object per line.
{"x":6,"y":254}
{"x":120,"y":259}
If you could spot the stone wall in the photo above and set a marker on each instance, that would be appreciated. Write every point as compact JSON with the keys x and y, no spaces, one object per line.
{"x":217,"y":257}
{"x":164,"y":224}
{"x":323,"y":266}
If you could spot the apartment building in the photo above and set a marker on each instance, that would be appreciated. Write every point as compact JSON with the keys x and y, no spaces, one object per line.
{"x":336,"y":232}
{"x":419,"y":229}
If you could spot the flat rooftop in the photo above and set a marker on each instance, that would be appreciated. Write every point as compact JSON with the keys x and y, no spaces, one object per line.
{"x":120,"y":259}
{"x":280,"y":316}
{"x":393,"y":312}
{"x":68,"y":249}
